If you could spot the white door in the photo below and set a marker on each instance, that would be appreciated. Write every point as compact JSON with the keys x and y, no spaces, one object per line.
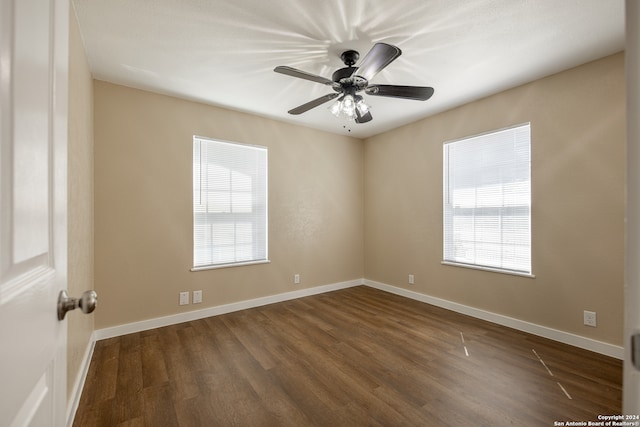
{"x":33,"y":210}
{"x":631,"y":396}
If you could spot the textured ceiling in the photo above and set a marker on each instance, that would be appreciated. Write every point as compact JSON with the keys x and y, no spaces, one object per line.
{"x":223,"y":52}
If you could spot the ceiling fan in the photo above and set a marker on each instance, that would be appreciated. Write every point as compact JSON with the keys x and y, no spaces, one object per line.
{"x":349,"y":81}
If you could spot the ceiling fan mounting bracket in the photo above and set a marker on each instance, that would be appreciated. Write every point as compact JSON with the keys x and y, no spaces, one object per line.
{"x":350,"y":57}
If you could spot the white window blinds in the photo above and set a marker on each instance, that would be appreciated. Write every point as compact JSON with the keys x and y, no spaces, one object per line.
{"x":229,"y":203}
{"x":487,"y":200}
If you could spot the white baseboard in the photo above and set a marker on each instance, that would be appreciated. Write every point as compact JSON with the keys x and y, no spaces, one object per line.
{"x":159,"y":322}
{"x":521,"y":325}
{"x":78,"y":386}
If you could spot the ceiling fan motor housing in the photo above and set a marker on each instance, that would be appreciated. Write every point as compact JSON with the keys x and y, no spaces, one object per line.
{"x":349,"y":83}
{"x":342,"y":73}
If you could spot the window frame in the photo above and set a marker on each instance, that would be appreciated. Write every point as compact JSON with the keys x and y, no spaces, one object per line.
{"x":223,"y":217}
{"x":446,"y":221}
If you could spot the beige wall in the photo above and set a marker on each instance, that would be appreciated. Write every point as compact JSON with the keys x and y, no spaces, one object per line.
{"x":578,"y":149}
{"x":143,"y":205}
{"x":80,"y":208}
{"x":341,"y":209}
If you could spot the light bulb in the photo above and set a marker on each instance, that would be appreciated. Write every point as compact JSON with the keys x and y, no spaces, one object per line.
{"x":335,"y":108}
{"x":362,"y":107}
{"x":349,"y":106}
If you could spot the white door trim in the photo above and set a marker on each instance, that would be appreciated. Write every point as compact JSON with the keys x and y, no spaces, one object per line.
{"x":631,"y":382}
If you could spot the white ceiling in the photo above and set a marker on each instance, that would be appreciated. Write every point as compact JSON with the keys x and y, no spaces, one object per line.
{"x":223,"y":52}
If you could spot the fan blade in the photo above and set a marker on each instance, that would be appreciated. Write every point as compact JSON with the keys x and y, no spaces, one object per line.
{"x":380,"y":55}
{"x":418,"y":93}
{"x":363,"y":119}
{"x":312,"y":104}
{"x":303,"y":75}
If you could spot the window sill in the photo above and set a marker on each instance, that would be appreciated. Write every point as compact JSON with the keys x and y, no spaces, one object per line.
{"x":233,"y":264}
{"x":493,"y":270}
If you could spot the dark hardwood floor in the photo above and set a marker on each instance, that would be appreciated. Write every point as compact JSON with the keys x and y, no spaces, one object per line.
{"x":354,"y":357}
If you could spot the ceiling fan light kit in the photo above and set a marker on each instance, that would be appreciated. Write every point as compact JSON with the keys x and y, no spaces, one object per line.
{"x":347,"y":82}
{"x":349,"y":107}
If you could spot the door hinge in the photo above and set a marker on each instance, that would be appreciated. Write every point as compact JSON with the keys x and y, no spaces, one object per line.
{"x":635,"y":350}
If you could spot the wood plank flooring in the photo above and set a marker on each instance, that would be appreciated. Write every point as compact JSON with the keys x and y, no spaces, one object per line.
{"x":354,"y":357}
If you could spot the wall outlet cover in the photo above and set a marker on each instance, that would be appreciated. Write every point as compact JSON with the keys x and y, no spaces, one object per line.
{"x":590,"y":318}
{"x":184,"y":298}
{"x":197,"y":297}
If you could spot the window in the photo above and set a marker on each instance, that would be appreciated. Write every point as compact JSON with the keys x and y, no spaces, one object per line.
{"x":487,"y":201}
{"x":229,"y":204}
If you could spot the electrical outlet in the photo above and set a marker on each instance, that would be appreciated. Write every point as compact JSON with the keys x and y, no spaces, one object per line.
{"x":590,"y":318}
{"x":197,"y":297}
{"x":184,"y":298}
{"x":411,"y":279}
{"x":296,"y":279}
